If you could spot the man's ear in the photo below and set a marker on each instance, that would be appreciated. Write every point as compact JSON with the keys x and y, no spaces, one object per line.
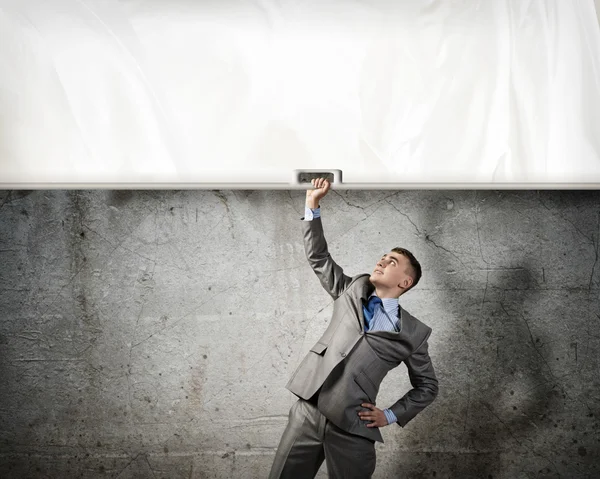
{"x":407,"y":283}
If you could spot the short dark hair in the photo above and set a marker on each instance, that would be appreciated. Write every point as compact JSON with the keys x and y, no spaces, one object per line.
{"x":415,"y":266}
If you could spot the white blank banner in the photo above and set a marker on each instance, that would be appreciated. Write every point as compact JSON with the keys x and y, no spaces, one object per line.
{"x":455,"y":91}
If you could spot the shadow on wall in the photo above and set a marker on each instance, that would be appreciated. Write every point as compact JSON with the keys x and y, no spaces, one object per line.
{"x":514,"y":392}
{"x":121,"y":197}
{"x":490,"y":372}
{"x":8,"y":196}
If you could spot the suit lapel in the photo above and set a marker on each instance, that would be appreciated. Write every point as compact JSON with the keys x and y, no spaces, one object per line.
{"x":363,"y":295}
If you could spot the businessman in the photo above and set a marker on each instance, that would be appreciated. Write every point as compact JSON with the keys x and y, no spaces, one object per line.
{"x":336,"y":418}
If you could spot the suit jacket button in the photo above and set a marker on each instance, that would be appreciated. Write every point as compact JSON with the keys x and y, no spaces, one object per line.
{"x":343,"y":355}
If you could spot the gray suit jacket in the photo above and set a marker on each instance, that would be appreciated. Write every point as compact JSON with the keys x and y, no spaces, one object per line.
{"x":349,"y":364}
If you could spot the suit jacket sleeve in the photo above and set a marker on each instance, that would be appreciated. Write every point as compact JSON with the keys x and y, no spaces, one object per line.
{"x":330,"y":274}
{"x":424,"y":382}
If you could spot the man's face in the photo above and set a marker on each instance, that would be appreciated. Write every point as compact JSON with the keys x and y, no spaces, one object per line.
{"x":391,"y":272}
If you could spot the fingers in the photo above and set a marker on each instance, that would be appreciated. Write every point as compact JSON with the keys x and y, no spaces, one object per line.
{"x":366,"y":416}
{"x":375,"y":420}
{"x":375,"y":415}
{"x":320,"y":183}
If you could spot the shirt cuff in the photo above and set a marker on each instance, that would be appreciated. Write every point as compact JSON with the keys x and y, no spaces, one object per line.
{"x":391,"y":417}
{"x":310,"y":214}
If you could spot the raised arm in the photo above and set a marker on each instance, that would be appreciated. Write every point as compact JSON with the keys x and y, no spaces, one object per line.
{"x":330,"y":274}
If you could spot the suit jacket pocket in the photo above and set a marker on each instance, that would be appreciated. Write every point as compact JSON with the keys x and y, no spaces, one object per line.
{"x":319,"y":348}
{"x":367,"y":386}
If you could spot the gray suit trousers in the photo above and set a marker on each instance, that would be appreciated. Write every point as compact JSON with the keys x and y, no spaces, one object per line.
{"x":310,"y":438}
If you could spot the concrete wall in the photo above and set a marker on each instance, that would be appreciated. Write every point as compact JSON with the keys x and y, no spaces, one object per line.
{"x":151,"y":334}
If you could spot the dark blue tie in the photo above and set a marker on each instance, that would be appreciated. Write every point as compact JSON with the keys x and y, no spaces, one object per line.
{"x":370,"y":309}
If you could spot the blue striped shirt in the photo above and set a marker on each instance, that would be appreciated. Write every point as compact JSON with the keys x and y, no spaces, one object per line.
{"x":385,"y":316}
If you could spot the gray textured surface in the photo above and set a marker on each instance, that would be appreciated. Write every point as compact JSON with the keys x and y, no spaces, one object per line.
{"x":150,"y":334}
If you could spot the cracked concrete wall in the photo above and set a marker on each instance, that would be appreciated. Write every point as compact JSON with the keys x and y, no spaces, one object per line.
{"x":151,"y":333}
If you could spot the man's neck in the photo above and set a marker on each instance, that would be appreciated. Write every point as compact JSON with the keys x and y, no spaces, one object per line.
{"x":386,"y":294}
